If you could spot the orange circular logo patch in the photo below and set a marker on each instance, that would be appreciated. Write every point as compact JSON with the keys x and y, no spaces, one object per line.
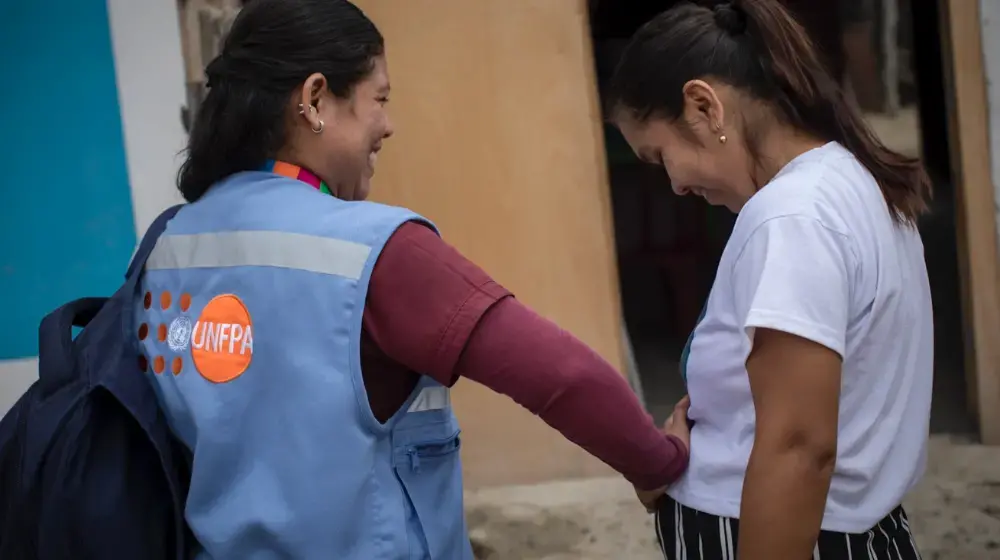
{"x":222,"y":339}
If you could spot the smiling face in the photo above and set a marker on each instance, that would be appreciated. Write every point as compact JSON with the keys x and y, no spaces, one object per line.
{"x":339,"y":138}
{"x":701,"y":151}
{"x":362,"y":123}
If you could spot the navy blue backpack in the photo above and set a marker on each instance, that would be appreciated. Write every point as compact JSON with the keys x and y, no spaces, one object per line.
{"x":88,"y":466}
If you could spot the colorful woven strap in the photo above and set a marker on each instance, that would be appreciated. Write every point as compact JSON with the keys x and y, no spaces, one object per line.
{"x":295,"y":172}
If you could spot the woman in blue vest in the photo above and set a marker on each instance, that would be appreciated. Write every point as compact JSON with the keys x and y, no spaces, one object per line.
{"x":302,"y":341}
{"x":810,"y":371}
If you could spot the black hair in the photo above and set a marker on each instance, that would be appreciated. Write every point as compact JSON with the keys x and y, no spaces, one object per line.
{"x":273,"y":46}
{"x":757,"y":47}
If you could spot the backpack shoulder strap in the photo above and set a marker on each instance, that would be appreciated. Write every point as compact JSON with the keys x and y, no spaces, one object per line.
{"x":55,"y":333}
{"x":149,"y":241}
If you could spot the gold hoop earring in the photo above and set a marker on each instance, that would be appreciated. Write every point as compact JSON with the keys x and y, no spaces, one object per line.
{"x":318,"y":129}
{"x":722,"y":139}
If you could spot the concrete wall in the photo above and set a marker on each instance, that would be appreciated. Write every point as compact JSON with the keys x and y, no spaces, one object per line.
{"x":94,"y":92}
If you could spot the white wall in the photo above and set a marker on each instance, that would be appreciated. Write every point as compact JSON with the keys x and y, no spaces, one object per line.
{"x":989,"y":11}
{"x":15,"y":377}
{"x":150,"y":69}
{"x":150,"y":81}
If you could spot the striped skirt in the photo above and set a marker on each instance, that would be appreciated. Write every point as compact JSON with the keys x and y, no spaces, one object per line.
{"x":687,"y":534}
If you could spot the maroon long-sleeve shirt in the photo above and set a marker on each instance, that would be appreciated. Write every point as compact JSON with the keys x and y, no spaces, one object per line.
{"x":431,"y":311}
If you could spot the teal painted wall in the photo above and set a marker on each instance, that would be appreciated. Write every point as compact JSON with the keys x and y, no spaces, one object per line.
{"x":66,"y":221}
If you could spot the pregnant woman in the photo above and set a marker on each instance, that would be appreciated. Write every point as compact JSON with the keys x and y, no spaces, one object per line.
{"x":810,"y":373}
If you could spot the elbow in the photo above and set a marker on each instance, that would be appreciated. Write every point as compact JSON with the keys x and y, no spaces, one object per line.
{"x":811,"y":450}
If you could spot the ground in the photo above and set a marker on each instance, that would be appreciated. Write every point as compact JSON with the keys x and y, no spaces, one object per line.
{"x":954,"y":512}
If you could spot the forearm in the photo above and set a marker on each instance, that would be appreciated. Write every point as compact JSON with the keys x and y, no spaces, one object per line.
{"x":607,"y":421}
{"x":784,"y":496}
{"x":515,"y":352}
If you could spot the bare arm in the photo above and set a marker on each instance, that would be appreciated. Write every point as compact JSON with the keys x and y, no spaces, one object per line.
{"x":796,"y":390}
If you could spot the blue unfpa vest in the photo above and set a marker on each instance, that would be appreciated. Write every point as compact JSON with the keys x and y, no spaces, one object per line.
{"x":249,"y":328}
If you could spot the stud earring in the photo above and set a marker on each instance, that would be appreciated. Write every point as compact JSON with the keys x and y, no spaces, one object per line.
{"x":722,"y":137}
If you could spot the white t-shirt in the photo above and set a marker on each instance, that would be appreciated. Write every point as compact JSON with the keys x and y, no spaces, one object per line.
{"x":815,"y":253}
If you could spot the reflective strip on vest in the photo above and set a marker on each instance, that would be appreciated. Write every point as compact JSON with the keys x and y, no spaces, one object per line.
{"x":322,"y":255}
{"x":431,"y":398}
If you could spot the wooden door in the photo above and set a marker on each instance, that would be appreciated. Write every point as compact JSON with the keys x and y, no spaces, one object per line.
{"x":976,"y":218}
{"x":498,"y":140}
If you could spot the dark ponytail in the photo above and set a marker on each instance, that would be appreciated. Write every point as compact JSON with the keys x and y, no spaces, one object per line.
{"x":758,"y":47}
{"x":273,"y":46}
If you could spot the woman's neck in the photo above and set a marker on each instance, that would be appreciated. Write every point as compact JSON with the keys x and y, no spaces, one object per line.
{"x":778,"y":148}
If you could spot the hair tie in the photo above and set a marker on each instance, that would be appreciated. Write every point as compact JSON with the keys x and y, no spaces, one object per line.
{"x":217,"y":70}
{"x":730,"y":18}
